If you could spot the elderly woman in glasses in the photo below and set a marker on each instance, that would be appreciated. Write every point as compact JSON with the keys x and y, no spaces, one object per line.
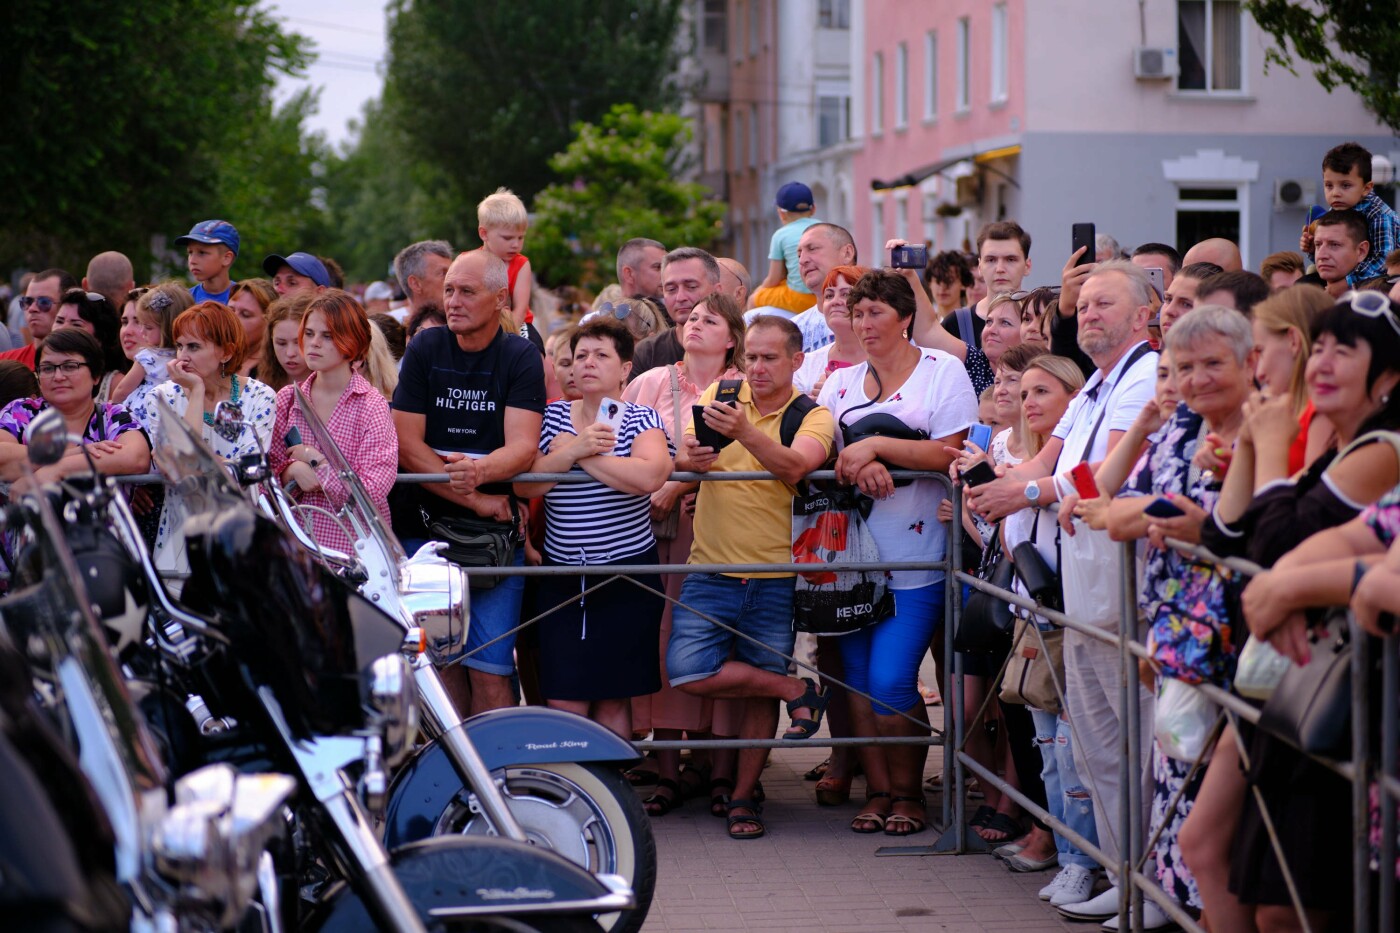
{"x":69,"y":363}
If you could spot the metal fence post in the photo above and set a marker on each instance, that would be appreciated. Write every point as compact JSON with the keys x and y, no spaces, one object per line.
{"x":1390,"y":738}
{"x":1130,"y":809}
{"x":952,"y":766}
{"x":1361,"y":779}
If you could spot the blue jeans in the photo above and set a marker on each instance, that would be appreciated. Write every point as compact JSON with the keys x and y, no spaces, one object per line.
{"x":760,"y":607}
{"x":493,"y":612}
{"x":883,"y":659}
{"x":1068,"y":799}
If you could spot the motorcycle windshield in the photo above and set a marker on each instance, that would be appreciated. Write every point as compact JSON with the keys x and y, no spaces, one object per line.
{"x":359,"y":509}
{"x":68,"y":649}
{"x":297,"y":628}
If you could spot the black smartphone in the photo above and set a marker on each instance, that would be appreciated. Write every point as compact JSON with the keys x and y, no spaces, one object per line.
{"x":1083,"y":235}
{"x":1162,"y":507}
{"x":292,"y":437}
{"x":980,"y":473}
{"x":706,"y":435}
{"x":909,"y":257}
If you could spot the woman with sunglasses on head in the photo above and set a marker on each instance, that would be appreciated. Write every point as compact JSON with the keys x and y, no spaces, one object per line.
{"x":69,"y":363}
{"x":845,"y":350}
{"x":1352,"y":376}
{"x":147,"y":339}
{"x":93,"y":313}
{"x":335,"y":334}
{"x":713,"y":339}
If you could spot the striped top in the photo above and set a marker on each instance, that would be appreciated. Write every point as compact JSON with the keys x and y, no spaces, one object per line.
{"x":592,"y":523}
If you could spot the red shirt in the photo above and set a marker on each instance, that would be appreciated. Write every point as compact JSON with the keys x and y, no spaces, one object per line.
{"x":512,"y":273}
{"x":24,"y":354}
{"x":1299,"y":450}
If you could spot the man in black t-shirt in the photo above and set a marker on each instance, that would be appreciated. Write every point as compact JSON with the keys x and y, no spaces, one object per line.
{"x":470,"y":402}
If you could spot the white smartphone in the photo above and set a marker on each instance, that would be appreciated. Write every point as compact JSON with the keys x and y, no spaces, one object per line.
{"x":1154,"y":275}
{"x":611,"y":412}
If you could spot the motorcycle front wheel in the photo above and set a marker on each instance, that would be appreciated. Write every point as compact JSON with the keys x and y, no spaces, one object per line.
{"x":586,"y":812}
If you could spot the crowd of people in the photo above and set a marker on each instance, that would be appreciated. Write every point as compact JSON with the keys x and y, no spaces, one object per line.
{"x":1258,"y":414}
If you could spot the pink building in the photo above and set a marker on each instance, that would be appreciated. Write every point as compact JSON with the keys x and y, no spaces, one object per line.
{"x":940,"y":88}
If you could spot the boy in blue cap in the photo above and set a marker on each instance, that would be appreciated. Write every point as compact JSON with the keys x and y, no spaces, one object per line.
{"x":211,"y":246}
{"x":783,"y":287}
{"x":297,"y":272}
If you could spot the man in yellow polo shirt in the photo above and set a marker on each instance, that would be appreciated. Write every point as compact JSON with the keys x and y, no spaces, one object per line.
{"x":743,"y":522}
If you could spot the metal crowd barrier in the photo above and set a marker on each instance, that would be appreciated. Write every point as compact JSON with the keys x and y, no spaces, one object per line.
{"x":1374,"y":892}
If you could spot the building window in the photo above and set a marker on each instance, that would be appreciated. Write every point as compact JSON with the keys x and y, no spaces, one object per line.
{"x":901,"y":216}
{"x":739,"y":146}
{"x":931,"y":76}
{"x":964,"y":101}
{"x":877,"y":94}
{"x":833,"y":119}
{"x":716,"y":26}
{"x":1210,"y":40}
{"x":754,"y":23}
{"x":753,"y":136}
{"x":834,"y":14}
{"x":901,"y":86}
{"x":1202,"y":213}
{"x":1000,"y":52}
{"x":877,"y":230}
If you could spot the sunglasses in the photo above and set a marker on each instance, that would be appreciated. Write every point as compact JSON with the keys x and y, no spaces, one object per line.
{"x":45,"y":303}
{"x":622,"y":310}
{"x":1372,"y":305}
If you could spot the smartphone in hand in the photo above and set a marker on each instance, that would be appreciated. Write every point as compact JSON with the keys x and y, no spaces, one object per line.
{"x":981,"y":435}
{"x":1083,"y":235}
{"x":706,"y":435}
{"x":1084,"y":483}
{"x":1162,"y":507}
{"x":981,"y":472}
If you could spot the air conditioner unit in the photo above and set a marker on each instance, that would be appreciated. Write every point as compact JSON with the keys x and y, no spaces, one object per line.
{"x":1151,"y":64}
{"x":1292,"y":194}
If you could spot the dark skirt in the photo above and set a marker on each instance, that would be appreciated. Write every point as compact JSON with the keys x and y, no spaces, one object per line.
{"x":1310,"y":807}
{"x":606,"y":647}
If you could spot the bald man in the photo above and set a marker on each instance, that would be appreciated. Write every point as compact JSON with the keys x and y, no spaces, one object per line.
{"x":1218,"y":250}
{"x":734,"y":280}
{"x":110,"y":274}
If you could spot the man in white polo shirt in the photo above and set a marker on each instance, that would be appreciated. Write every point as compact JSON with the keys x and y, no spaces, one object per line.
{"x":1113,"y":309}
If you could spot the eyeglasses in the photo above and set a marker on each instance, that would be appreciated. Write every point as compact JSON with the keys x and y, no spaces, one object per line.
{"x":1372,"y":305}
{"x":136,"y":293}
{"x":622,"y":310}
{"x":45,"y":303}
{"x":68,"y":368}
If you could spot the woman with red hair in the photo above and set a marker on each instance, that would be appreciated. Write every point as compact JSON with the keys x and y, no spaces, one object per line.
{"x":335,"y":334}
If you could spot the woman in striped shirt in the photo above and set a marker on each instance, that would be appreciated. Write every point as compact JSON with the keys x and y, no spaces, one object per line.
{"x":600,"y":649}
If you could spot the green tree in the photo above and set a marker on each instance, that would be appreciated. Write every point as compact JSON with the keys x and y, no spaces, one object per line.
{"x":129,"y":120}
{"x":620,"y":181}
{"x":1349,"y":43}
{"x":485,"y":93}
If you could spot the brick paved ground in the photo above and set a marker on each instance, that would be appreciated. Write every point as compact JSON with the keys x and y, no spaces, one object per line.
{"x":811,"y":874}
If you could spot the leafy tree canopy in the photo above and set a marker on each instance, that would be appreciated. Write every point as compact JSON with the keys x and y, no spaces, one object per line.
{"x":131,"y":120}
{"x":1349,"y":43}
{"x":620,"y":181}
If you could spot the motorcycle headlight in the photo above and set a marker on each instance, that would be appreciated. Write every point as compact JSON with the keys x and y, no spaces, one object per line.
{"x":394,"y":698}
{"x":436,"y":594}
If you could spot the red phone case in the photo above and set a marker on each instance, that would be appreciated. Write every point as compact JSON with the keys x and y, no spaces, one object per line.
{"x":1084,"y":481}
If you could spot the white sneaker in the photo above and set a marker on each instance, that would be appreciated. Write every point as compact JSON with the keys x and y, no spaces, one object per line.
{"x":1076,"y":884}
{"x":1153,"y":918}
{"x":1102,"y":907}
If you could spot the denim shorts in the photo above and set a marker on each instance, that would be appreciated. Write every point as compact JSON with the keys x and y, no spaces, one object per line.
{"x":759,"y":607}
{"x":493,"y":612}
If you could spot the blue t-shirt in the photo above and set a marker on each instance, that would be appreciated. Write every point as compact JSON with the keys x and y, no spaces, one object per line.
{"x":199,"y":294}
{"x":463,"y":396}
{"x":784,"y":247}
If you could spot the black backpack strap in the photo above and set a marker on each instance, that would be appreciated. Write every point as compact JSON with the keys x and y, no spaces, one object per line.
{"x":793,"y":417}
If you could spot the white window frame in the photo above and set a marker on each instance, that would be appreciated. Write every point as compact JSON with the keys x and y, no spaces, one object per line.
{"x":963,"y":104}
{"x":901,"y":215}
{"x":931,"y":76}
{"x":755,"y":25}
{"x":877,"y":94}
{"x":901,"y":86}
{"x":877,"y":228}
{"x":1212,"y":168}
{"x":1209,"y":42}
{"x":1001,"y":53}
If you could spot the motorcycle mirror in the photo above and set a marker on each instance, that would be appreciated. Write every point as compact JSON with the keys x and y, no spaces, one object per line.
{"x":252,"y":469}
{"x":47,"y":438}
{"x":228,"y":420}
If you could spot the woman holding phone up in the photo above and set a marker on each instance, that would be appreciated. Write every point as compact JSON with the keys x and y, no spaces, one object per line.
{"x":599,"y":649}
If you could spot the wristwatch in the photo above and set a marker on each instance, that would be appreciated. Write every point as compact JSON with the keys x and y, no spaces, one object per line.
{"x":1033,"y":492}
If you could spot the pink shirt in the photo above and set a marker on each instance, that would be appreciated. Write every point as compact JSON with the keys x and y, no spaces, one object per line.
{"x":363,"y":428}
{"x":653,"y":389}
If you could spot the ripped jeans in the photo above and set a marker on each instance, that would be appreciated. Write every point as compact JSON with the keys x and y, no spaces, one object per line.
{"x":1069,"y":800}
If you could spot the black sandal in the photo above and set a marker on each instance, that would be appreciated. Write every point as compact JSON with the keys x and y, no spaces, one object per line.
{"x":815,"y":700}
{"x":756,"y":819}
{"x":982,"y":816}
{"x":815,"y":774}
{"x":720,"y":789}
{"x":659,"y":804}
